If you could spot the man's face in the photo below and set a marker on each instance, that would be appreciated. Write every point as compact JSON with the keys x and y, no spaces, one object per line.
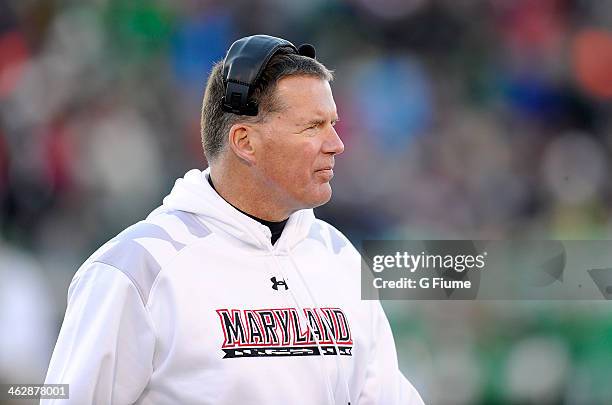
{"x":296,"y":147}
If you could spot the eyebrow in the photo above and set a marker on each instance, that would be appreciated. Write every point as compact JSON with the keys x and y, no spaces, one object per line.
{"x":319,"y":121}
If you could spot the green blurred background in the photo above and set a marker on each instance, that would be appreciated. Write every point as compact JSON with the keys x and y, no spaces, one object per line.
{"x":475,"y":119}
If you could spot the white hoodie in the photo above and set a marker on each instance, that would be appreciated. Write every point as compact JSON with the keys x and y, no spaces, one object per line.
{"x":194,"y":305}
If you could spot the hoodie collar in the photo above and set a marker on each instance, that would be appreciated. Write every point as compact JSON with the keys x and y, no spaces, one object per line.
{"x":192,"y":193}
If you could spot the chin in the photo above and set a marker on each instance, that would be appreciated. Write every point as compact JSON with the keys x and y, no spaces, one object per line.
{"x":319,"y":197}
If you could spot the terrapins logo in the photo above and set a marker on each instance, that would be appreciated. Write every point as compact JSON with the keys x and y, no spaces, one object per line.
{"x":281,"y":332}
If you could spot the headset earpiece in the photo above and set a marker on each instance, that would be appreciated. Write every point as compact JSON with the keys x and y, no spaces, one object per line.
{"x":242,"y":67}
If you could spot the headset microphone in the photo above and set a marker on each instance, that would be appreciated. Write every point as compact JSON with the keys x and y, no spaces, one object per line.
{"x":307,"y":50}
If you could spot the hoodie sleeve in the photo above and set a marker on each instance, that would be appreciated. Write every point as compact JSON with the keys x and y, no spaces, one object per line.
{"x":105,"y":347}
{"x":385,"y":384}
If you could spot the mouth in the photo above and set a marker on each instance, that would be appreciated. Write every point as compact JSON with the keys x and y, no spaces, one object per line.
{"x":329,"y":166}
{"x":327,"y":172}
{"x":326,"y":169}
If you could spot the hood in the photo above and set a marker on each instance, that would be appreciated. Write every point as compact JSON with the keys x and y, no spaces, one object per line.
{"x":193,"y":193}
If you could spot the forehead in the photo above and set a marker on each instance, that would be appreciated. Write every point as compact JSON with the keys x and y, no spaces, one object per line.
{"x":304,"y":97}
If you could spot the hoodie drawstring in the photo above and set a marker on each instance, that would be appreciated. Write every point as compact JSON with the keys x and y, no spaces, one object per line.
{"x":341,"y":368}
{"x":300,"y":312}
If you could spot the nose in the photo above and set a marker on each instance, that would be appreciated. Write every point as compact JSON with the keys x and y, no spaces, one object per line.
{"x":333,"y":144}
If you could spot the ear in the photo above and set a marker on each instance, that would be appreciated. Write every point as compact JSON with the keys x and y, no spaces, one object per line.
{"x":240,"y":140}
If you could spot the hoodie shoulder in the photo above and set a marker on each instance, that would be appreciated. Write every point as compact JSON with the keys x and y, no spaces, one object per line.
{"x":330,"y":237}
{"x":143,"y":249}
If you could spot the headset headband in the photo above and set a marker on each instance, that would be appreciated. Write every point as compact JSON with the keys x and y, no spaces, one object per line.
{"x":242,"y":67}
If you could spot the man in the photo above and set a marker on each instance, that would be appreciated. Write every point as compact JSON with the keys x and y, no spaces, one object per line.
{"x":232,"y":292}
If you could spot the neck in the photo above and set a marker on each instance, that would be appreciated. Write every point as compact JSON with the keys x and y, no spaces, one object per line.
{"x":237,"y":185}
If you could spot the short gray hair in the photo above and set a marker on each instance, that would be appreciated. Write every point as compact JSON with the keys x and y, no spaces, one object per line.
{"x":216,"y":123}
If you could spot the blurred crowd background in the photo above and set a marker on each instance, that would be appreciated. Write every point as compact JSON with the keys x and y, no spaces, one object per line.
{"x":481,"y":119}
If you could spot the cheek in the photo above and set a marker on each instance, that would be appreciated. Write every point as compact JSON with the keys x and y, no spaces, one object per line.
{"x":283,"y":168}
{"x":304,"y":165}
{"x":295,"y":172}
{"x":292,"y":163}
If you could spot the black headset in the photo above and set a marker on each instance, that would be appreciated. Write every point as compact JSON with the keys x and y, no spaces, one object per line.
{"x":242,"y":67}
